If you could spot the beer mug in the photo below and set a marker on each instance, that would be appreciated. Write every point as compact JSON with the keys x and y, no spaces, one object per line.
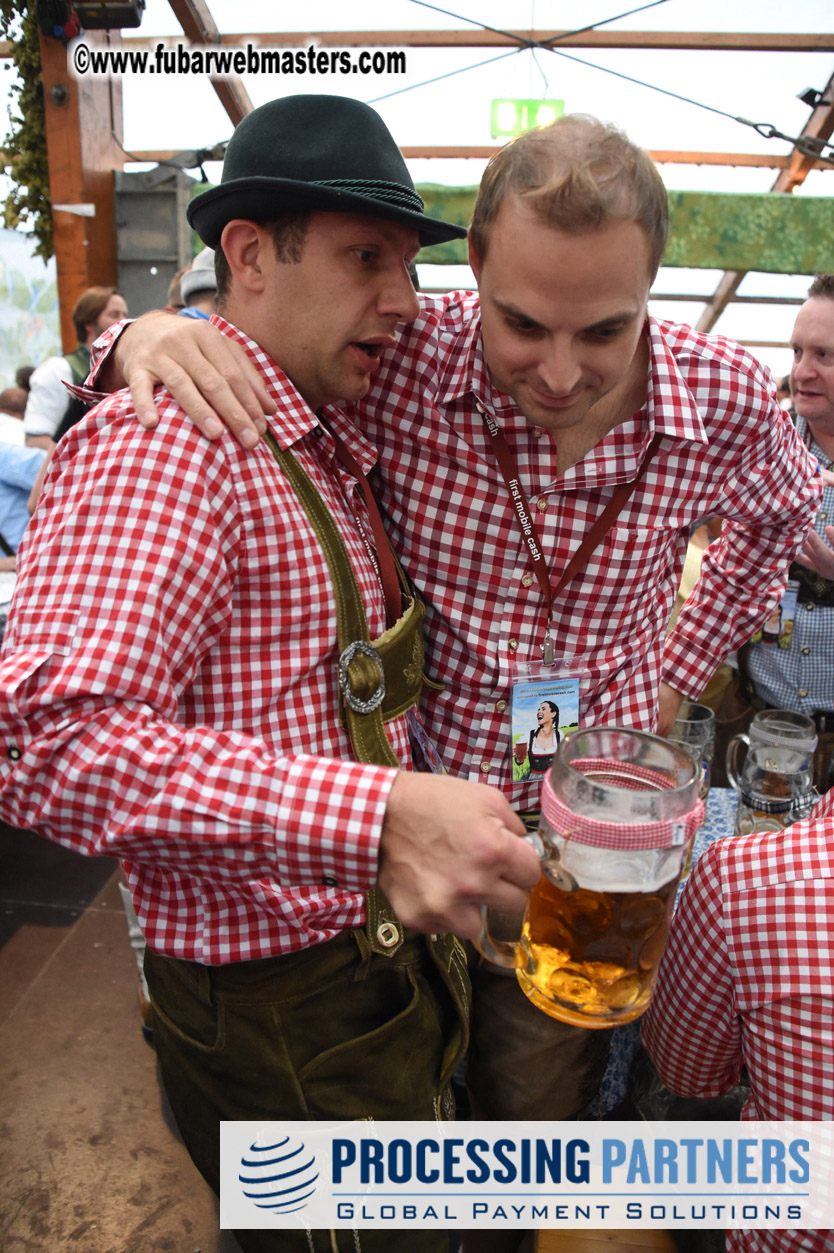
{"x":619,"y":811}
{"x":777,"y":728}
{"x":776,"y":789}
{"x":520,"y":752}
{"x":694,"y":729}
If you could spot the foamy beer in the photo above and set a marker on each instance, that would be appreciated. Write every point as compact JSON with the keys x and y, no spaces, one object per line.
{"x":619,"y":811}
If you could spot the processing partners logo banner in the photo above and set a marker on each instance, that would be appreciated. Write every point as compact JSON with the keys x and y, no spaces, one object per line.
{"x":299,"y":1175}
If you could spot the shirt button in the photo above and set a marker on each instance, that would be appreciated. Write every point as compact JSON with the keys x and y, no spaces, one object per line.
{"x":13,"y":753}
{"x":822,"y":515}
{"x":501,"y":706}
{"x":486,"y":766}
{"x":809,"y":608}
{"x":329,"y":879}
{"x":513,"y":646}
{"x":806,"y":651}
{"x":537,"y":432}
{"x":527,"y":579}
{"x":541,"y":504}
{"x":803,"y":691}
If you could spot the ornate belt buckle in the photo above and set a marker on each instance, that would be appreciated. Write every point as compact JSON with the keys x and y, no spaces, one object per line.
{"x":376,"y":697}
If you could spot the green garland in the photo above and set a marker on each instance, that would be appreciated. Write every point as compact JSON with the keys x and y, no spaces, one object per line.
{"x":24,"y":150}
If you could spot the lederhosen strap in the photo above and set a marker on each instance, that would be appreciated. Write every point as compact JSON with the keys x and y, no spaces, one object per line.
{"x":378,"y":679}
{"x":378,"y":682}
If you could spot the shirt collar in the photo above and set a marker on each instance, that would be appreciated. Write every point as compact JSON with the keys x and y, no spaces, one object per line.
{"x":465,"y":369}
{"x":294,"y":418}
{"x":804,"y":433}
{"x":670,"y":407}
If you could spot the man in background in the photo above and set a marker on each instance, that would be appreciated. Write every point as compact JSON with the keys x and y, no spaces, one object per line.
{"x":198,"y":287}
{"x":791,"y":667}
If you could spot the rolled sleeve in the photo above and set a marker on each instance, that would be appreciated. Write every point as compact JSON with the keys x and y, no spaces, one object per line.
{"x":770,"y":506}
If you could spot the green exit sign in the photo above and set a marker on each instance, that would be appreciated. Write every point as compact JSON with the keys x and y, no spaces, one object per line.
{"x":511,"y":117}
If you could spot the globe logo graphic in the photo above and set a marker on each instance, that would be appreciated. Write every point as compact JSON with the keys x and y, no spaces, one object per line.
{"x":279,"y":1177}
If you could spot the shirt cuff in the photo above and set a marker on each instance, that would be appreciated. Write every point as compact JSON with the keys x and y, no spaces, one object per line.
{"x":335,"y":811}
{"x":687,"y":666}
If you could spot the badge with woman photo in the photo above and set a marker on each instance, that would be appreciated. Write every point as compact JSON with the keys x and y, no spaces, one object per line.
{"x":543,"y":712}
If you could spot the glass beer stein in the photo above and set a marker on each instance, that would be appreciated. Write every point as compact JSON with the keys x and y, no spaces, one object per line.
{"x":772,"y":728}
{"x":776,"y":788}
{"x":695,"y":729}
{"x":619,"y":811}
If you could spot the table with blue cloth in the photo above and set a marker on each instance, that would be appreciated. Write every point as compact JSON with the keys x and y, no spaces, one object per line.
{"x":625,"y":1041}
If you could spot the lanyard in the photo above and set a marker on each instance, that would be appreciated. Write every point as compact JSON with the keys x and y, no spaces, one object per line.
{"x":385,"y":557}
{"x":527,"y":526}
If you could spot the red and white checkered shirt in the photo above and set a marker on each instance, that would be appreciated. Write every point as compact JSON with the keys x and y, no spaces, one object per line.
{"x":728,"y":451}
{"x":748,"y":978}
{"x":168,"y":682}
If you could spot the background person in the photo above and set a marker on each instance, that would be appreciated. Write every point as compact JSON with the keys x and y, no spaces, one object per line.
{"x":23,"y":375}
{"x":49,"y":402}
{"x":175,"y":300}
{"x":19,"y":469}
{"x":783,"y":393}
{"x":198,"y":286}
{"x":797,"y":672}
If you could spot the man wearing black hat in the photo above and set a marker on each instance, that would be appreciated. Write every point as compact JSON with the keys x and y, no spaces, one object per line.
{"x":211,"y":672}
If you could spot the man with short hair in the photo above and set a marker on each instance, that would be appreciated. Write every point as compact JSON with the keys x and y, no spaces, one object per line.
{"x":790,"y":667}
{"x":192,"y":680}
{"x":49,"y":401}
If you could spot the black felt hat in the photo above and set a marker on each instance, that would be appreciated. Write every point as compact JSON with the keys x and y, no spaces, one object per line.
{"x":317,"y":152}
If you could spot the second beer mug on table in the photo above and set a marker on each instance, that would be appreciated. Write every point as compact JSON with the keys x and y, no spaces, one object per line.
{"x":695,"y":729}
{"x":619,"y":810}
{"x":776,"y":788}
{"x":772,"y":728}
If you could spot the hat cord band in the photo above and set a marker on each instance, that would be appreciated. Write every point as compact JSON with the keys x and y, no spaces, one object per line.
{"x":389,"y":193}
